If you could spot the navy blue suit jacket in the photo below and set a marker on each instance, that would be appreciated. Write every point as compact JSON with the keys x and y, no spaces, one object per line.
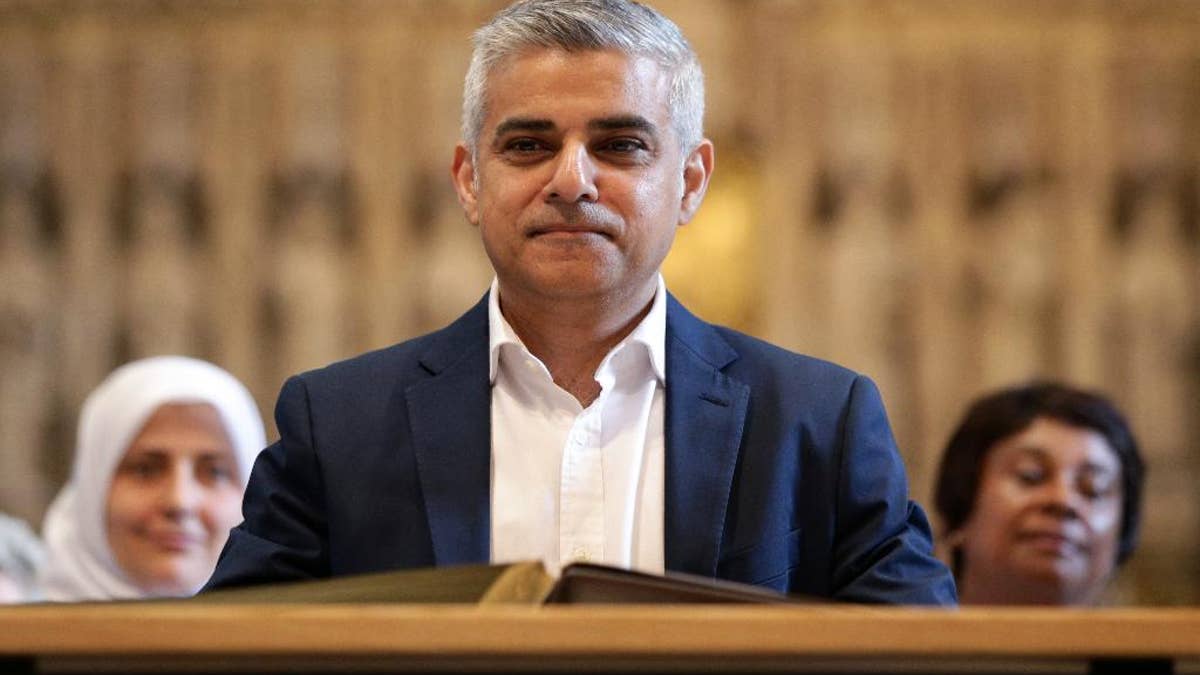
{"x":781,"y":470}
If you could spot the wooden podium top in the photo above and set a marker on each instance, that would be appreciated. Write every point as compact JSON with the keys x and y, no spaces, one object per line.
{"x":43,"y":637}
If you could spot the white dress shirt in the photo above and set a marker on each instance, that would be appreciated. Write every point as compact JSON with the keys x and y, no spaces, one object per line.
{"x":572,"y":483}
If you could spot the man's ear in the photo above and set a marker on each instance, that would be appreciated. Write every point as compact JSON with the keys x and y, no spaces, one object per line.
{"x":462,"y":172}
{"x":697,"y":169}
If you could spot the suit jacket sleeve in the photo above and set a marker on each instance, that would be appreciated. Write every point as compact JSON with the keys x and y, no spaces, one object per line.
{"x":883,"y":548}
{"x":283,"y":536}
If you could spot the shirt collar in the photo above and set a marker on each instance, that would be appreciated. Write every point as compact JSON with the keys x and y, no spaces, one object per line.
{"x":651,"y":332}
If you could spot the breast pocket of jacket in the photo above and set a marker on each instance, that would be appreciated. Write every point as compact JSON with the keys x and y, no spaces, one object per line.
{"x":765,"y":563}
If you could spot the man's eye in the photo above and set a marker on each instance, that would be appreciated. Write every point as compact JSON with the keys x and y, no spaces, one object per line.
{"x":625,"y":145}
{"x":523,"y":145}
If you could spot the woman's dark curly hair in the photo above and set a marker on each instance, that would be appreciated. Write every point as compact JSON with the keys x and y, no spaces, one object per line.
{"x":997,"y":416}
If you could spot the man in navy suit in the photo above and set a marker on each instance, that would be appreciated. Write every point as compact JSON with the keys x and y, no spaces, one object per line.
{"x":578,"y":411}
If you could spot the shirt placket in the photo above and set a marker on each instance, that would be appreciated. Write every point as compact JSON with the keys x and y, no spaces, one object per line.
{"x":581,"y":524}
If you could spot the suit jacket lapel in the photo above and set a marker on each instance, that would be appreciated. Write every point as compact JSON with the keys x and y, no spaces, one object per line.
{"x":705,"y":413}
{"x":450,"y":415}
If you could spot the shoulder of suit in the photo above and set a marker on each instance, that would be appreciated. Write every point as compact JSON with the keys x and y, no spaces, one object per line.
{"x":390,"y":362}
{"x":758,"y":354}
{"x":403,"y":359}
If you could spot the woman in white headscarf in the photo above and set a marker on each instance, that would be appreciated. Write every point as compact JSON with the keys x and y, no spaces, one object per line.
{"x":164,"y":448}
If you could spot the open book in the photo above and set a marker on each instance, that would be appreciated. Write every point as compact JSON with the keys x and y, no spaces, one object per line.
{"x":516,"y":583}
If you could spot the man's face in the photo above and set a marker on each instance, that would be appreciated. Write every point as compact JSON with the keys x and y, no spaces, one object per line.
{"x":579,"y":180}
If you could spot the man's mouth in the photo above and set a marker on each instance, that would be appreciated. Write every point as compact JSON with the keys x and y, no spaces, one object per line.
{"x":568,"y":231}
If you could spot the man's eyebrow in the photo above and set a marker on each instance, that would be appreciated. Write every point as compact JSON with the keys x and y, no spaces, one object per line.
{"x":618,"y":122}
{"x":540,"y":125}
{"x":522,"y":124}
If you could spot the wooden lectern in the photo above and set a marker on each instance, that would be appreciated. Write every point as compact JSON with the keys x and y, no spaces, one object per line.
{"x":373,"y":637}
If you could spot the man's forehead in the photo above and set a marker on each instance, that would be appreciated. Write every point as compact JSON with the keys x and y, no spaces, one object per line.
{"x":543,"y":89}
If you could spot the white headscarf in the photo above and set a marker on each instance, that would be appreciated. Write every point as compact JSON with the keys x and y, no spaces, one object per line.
{"x":80,"y":563}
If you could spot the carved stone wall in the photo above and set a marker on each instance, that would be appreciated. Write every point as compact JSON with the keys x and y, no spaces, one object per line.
{"x":948,"y":196}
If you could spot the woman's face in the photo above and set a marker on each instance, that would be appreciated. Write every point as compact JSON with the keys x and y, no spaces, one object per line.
{"x":174,"y":497}
{"x":1046,"y":521}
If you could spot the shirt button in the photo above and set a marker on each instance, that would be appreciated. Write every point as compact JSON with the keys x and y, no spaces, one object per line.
{"x":580,"y":554}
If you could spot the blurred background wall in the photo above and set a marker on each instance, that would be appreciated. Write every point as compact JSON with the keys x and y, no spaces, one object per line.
{"x":948,"y":195}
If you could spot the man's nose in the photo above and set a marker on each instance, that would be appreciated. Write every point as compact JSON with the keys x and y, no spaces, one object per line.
{"x":574,"y":176}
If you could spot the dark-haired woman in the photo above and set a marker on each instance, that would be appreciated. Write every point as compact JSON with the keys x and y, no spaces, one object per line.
{"x":1039,"y":492}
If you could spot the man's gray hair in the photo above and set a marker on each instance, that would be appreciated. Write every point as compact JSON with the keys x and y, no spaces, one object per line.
{"x":579,"y":25}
